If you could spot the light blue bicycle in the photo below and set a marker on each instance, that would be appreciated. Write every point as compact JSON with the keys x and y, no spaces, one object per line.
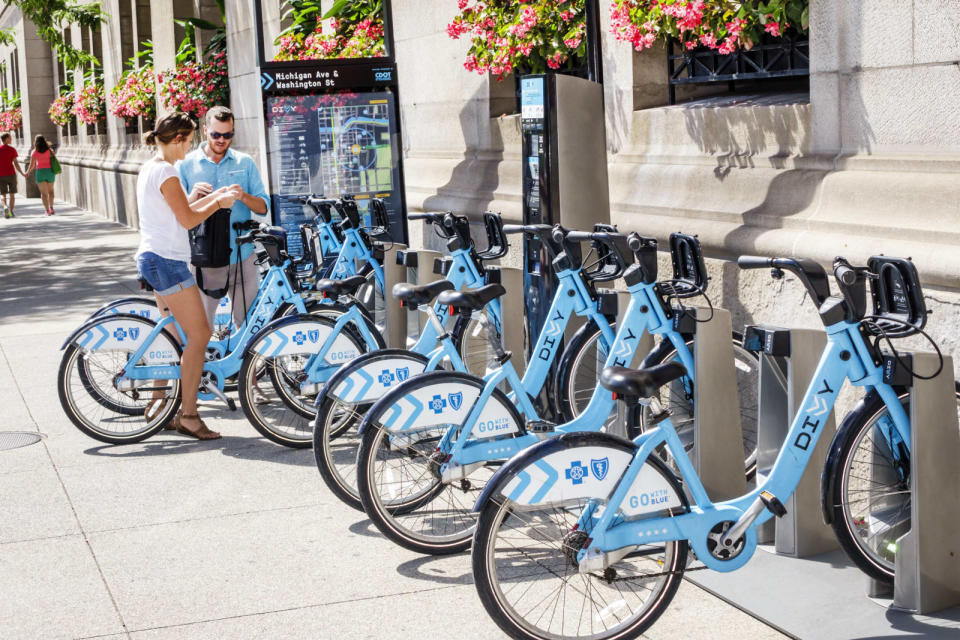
{"x":587,"y":535}
{"x":115,"y":364}
{"x":356,"y":386}
{"x":429,"y":446}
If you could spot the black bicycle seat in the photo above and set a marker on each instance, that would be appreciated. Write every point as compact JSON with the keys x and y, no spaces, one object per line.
{"x":414,"y":296}
{"x":640,"y":383}
{"x":337,"y":288}
{"x":471,"y":299}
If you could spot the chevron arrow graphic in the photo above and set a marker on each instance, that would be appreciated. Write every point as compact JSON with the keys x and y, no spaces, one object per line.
{"x":266,"y":81}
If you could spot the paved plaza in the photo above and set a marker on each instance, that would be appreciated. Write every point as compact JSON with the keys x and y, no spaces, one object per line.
{"x":173,"y":538}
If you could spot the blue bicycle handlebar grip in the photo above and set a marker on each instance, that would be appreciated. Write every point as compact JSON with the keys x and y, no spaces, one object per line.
{"x":754,"y":262}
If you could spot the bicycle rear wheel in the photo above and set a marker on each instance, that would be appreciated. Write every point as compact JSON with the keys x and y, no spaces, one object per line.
{"x":678,"y":397}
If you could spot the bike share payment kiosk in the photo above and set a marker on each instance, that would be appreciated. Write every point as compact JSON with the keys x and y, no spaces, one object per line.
{"x":564,"y":166}
{"x":333,"y":130}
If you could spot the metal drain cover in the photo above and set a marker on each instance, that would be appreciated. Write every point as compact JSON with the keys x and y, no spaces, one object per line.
{"x":16,"y":439}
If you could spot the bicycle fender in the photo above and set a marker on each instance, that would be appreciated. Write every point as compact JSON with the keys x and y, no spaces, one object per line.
{"x":124,"y":332}
{"x":372,"y":375}
{"x":136,"y":305}
{"x":300,"y":335}
{"x":582,"y":465}
{"x":855,"y":416}
{"x":443,"y":399}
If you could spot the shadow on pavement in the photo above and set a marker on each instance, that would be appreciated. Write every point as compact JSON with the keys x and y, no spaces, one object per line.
{"x":415,"y":569}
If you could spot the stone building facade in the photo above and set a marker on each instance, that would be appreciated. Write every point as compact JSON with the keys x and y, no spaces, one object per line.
{"x":864,"y":160}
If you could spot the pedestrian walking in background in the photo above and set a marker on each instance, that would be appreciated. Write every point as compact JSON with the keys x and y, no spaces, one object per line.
{"x":216,"y":165}
{"x":41,"y":160}
{"x":164,"y":253}
{"x":9,"y":168}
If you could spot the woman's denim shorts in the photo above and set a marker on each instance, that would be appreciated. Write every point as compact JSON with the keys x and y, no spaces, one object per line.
{"x":165,"y":276}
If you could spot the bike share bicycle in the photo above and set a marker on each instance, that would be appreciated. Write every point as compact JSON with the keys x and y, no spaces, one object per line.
{"x":587,"y":535}
{"x":112,"y":364}
{"x":433,"y":442}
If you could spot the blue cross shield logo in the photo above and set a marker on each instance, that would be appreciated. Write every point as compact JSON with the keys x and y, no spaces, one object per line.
{"x":314,"y":335}
{"x":456,"y":399}
{"x":600,"y":468}
{"x":437,"y":404}
{"x":120,"y":334}
{"x":576,"y":473}
{"x":299,"y":337}
{"x":386,"y":377}
{"x":134,"y":332}
{"x":403,"y":373}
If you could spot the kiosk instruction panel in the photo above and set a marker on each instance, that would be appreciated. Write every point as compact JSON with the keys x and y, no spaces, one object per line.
{"x":331,"y":145}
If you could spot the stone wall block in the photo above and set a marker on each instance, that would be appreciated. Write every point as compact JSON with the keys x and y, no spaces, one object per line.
{"x":824,"y":35}
{"x":825,"y":112}
{"x":875,"y":33}
{"x":880,"y":110}
{"x":936,"y":31}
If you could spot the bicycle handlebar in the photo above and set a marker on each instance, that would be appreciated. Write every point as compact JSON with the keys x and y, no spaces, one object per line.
{"x":811,"y":274}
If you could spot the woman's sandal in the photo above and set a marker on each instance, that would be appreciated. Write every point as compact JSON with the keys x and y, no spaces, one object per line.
{"x":203,"y":433}
{"x":153,"y":408}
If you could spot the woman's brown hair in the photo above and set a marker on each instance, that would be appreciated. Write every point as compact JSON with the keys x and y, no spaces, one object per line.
{"x":169,"y":127}
{"x":40,"y":144}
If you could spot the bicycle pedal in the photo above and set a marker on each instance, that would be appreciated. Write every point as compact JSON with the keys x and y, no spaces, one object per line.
{"x":541,"y":426}
{"x":773,"y":504}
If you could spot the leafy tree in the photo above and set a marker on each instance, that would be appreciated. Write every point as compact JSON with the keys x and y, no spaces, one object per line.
{"x":51,"y":17}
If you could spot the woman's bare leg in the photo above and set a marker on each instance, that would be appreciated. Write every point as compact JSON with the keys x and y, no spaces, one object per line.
{"x":188,"y":311}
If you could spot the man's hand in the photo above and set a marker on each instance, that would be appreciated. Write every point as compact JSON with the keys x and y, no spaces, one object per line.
{"x":238,"y":191}
{"x":200,"y":190}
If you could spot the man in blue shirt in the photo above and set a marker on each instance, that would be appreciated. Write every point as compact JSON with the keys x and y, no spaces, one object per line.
{"x":211,"y":166}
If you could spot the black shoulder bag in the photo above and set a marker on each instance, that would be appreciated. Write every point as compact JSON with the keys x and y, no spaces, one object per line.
{"x":210,"y":247}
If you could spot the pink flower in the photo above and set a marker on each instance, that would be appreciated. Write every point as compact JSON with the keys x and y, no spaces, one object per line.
{"x":773,"y":28}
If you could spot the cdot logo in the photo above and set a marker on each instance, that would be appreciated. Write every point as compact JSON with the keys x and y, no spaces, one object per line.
{"x":437,"y":404}
{"x":382,"y":76}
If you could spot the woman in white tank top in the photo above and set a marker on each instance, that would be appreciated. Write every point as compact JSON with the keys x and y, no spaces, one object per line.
{"x":165,"y":217}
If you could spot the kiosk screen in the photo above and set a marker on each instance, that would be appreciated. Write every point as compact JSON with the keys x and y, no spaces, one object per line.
{"x":332,"y":145}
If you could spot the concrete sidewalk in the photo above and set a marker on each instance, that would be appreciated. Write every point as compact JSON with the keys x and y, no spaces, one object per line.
{"x":172,"y":538}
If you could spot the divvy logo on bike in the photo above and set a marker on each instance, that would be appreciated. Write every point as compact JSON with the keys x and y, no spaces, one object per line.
{"x":577,"y":471}
{"x":438,"y":403}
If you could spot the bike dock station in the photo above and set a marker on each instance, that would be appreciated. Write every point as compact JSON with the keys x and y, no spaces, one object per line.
{"x":788,"y":359}
{"x":805,"y":586}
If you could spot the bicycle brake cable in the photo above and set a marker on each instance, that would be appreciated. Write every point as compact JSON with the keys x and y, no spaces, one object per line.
{"x":872,"y":325}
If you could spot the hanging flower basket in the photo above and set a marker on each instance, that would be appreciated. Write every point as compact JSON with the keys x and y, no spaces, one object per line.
{"x":134,"y":95}
{"x":61,"y":109}
{"x":530,"y":37}
{"x":89,"y":105}
{"x":194,"y":87}
{"x":11,"y":119}
{"x":358,"y":38}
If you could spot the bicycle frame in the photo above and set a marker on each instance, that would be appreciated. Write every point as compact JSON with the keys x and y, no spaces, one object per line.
{"x":845,"y":356}
{"x":644,"y":313}
{"x":355,"y":250}
{"x":275,"y":291}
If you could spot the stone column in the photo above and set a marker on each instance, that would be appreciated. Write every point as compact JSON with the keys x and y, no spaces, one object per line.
{"x":111,"y":37}
{"x":37,"y":89}
{"x":245,"y":80}
{"x":164,"y":42}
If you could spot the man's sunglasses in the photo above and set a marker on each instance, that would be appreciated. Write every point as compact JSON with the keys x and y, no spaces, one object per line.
{"x":216,"y":135}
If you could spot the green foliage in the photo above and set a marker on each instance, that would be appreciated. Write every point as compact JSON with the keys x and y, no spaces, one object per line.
{"x":190,"y":45}
{"x":303,"y":14}
{"x":51,"y":17}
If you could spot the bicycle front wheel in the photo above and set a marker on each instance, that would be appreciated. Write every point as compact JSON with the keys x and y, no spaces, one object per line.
{"x":870,"y":480}
{"x":526,"y":572}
